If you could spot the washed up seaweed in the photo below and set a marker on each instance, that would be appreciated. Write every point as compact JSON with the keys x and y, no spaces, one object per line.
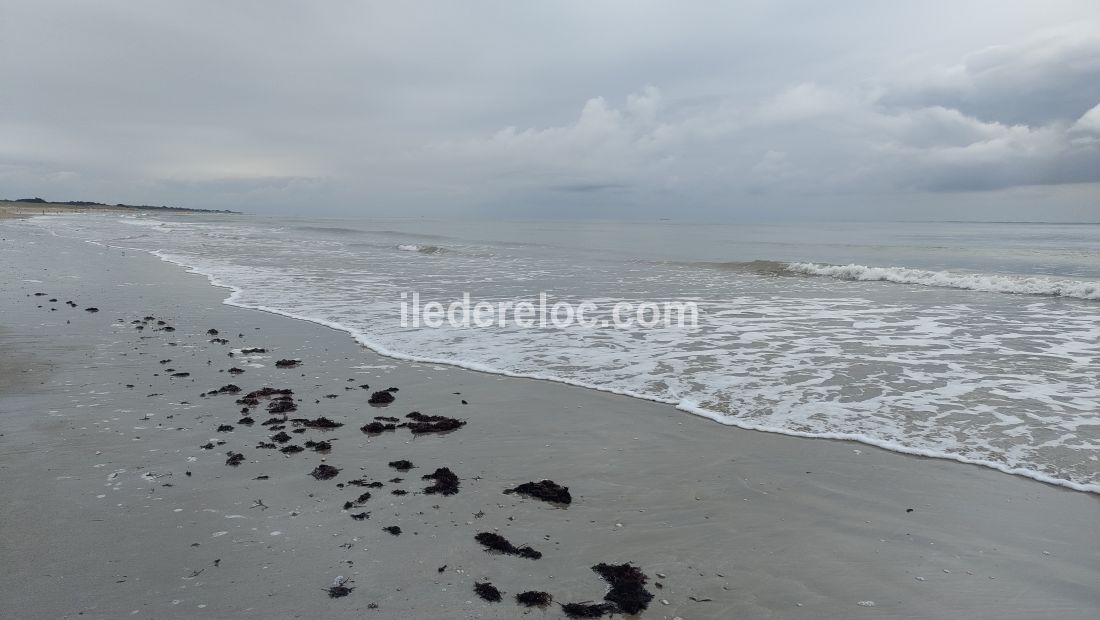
{"x":546,"y":490}
{"x":235,"y":459}
{"x":375,"y":428}
{"x":383,"y":397}
{"x":320,"y":422}
{"x":401,"y":465}
{"x":393,"y":529}
{"x":487,"y":591}
{"x":495,"y":542}
{"x":533,"y":598}
{"x":319,"y":446}
{"x":587,"y":610}
{"x":225,"y":389}
{"x":446,"y":482}
{"x":432,"y":423}
{"x":288,"y":363}
{"x":627,"y":591}
{"x":324,"y":472}
{"x":282,"y":405}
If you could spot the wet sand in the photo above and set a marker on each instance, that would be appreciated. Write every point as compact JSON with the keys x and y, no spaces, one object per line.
{"x":113,"y":508}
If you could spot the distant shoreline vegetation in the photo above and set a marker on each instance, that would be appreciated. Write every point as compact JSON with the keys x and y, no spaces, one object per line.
{"x":99,"y":205}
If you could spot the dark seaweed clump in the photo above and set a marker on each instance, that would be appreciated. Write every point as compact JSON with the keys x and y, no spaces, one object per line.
{"x":384,"y":397}
{"x":374,"y":428}
{"x":282,"y":405}
{"x":361,"y":516}
{"x":321,"y":422}
{"x":225,"y":389}
{"x":401,"y":465}
{"x":319,"y":446}
{"x":546,"y":490}
{"x":246,"y":421}
{"x":495,"y":542}
{"x":252,"y":351}
{"x":627,"y":591}
{"x":487,"y":591}
{"x":339,"y":591}
{"x":288,"y":363}
{"x":225,"y":428}
{"x":359,"y":501}
{"x":446,"y":482}
{"x":432,"y":423}
{"x":235,"y":459}
{"x":587,"y":610}
{"x":324,"y":472}
{"x":393,"y":529}
{"x":281,"y":437}
{"x":291,"y":449}
{"x":533,"y":598}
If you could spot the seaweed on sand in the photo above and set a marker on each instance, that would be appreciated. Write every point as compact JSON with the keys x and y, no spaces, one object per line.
{"x":546,"y":490}
{"x":487,"y":591}
{"x":587,"y":610}
{"x":401,"y":465}
{"x":288,"y":363}
{"x":359,"y":501}
{"x":282,"y":404}
{"x":393,"y":529}
{"x":432,"y":423}
{"x":375,"y":428}
{"x":446,"y":482}
{"x":533,"y":598}
{"x":321,"y":422}
{"x":495,"y":542}
{"x":235,"y":459}
{"x":627,"y":591}
{"x":319,"y":446}
{"x":383,"y":397}
{"x":339,"y":588}
{"x":324,"y":472}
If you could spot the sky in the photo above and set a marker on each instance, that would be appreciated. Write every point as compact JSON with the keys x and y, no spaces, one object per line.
{"x":701,"y":111}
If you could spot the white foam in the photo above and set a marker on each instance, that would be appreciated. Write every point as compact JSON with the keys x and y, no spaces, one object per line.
{"x":990,"y":283}
{"x":1003,"y":385}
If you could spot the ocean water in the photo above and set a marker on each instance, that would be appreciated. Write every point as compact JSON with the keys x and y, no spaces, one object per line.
{"x":975,"y":342}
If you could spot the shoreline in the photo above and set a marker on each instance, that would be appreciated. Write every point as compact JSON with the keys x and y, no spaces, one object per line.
{"x":682,"y":406}
{"x":735,"y":519}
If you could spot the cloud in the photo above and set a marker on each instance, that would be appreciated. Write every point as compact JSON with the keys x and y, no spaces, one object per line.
{"x":1047,"y":77}
{"x":604,"y":109}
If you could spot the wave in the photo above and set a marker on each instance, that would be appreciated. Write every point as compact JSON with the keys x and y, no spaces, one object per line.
{"x":337,"y":230}
{"x":990,"y":283}
{"x":685,"y":405}
{"x":423,"y":249}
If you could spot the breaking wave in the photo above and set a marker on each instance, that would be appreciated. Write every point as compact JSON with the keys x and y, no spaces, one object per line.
{"x":990,"y":283}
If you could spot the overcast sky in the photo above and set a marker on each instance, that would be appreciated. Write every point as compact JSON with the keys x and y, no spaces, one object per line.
{"x":702,"y":111}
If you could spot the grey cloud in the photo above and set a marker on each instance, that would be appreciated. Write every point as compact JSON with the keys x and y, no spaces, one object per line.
{"x":591,"y":109}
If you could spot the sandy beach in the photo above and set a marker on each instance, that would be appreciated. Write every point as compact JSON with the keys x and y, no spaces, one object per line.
{"x":115,"y":509}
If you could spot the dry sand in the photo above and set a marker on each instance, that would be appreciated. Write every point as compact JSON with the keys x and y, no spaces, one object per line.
{"x":113,"y":510}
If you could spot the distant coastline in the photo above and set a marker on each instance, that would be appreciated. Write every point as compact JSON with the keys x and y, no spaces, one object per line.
{"x":23,"y":207}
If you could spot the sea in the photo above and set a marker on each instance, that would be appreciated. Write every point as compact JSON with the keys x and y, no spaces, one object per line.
{"x":978,"y":342}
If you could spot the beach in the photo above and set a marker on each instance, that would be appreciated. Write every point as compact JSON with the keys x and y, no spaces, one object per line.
{"x":114,"y":508}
